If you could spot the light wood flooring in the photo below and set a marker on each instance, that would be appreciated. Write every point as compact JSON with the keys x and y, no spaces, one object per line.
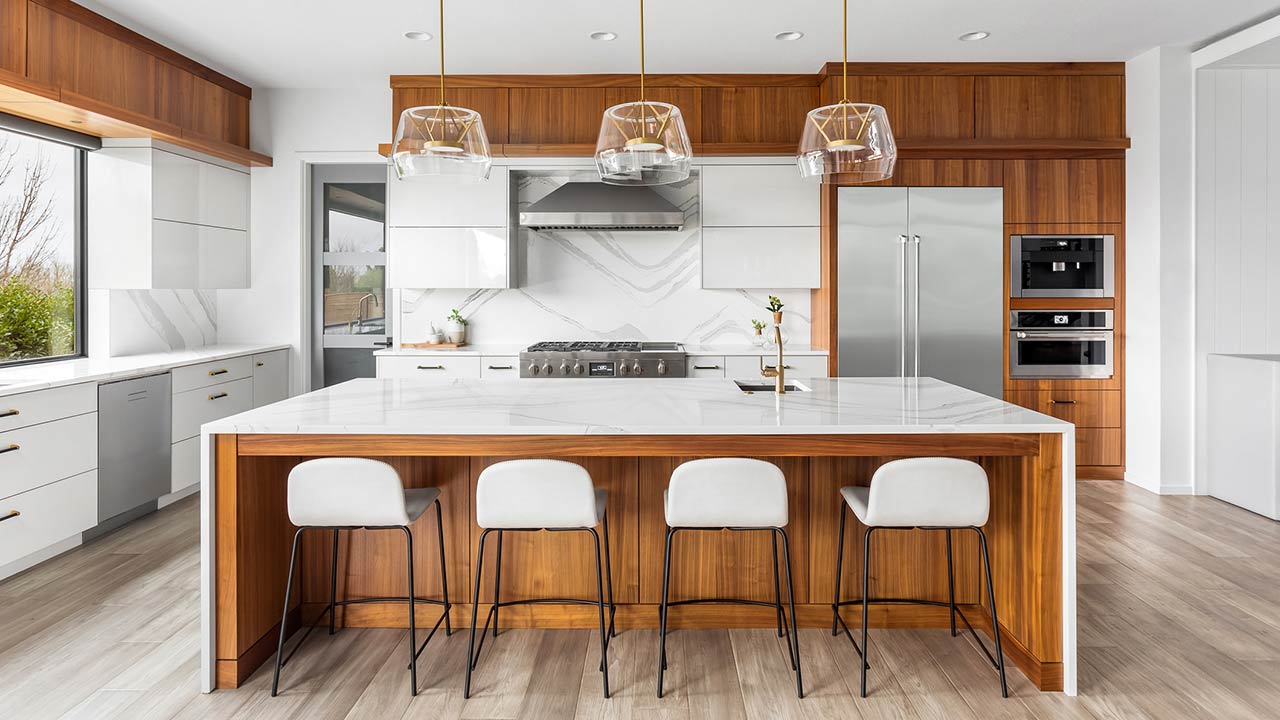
{"x":1179,"y":617}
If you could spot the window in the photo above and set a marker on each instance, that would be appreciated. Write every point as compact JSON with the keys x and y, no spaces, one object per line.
{"x":41,"y":243}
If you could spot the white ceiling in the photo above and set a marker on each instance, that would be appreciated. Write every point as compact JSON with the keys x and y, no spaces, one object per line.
{"x":342,"y":43}
{"x":1263,"y":55}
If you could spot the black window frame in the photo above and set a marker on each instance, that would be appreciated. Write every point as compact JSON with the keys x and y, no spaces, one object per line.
{"x":82,"y":145}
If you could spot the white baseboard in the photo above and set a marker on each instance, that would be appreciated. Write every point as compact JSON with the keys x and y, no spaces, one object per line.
{"x":1177,"y":490}
{"x":171,"y":498}
{"x":39,"y":556}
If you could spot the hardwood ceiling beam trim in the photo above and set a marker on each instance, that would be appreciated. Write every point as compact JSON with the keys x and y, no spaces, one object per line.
{"x":609,"y":80}
{"x":976,"y":69}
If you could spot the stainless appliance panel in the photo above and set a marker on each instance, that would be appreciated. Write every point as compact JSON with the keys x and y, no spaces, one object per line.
{"x":957,"y":286}
{"x":871,"y":255}
{"x":1084,"y":265}
{"x":1061,"y":354}
{"x":134,"y":444}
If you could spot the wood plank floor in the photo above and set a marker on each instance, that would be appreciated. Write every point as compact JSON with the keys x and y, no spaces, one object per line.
{"x":1179,"y":618}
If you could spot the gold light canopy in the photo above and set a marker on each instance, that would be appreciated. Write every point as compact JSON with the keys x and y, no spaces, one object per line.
{"x":643,"y":142}
{"x":441,"y":142}
{"x":849,"y":139}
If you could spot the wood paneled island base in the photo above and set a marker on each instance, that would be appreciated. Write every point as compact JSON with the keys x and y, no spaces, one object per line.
{"x":248,"y":546}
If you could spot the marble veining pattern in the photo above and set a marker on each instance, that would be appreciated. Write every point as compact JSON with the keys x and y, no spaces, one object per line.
{"x":147,"y":321}
{"x":600,"y":285}
{"x":652,"y":406}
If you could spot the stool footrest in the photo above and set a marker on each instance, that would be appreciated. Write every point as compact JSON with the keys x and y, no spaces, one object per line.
{"x":908,"y":601}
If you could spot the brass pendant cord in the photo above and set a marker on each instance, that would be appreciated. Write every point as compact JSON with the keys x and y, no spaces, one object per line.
{"x":642,"y":97}
{"x":442,"y":102}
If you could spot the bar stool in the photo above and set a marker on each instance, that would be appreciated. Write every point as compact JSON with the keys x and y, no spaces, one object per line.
{"x":736,"y":494}
{"x":358,"y":494}
{"x":531,"y":496}
{"x":920,"y":494}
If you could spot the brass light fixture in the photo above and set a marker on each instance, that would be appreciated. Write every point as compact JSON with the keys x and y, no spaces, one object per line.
{"x":852,"y":140}
{"x":441,"y":142}
{"x":644,"y":142}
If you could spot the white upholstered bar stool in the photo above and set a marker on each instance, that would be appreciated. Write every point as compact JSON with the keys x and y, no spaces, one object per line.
{"x":359,"y":494}
{"x":739,"y":494}
{"x":920,"y":494}
{"x":534,"y":496}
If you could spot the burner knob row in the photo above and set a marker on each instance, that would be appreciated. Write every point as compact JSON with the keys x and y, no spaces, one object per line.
{"x":548,"y":370}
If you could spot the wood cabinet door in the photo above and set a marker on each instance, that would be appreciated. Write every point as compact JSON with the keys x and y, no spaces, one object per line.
{"x":1064,"y":191}
{"x":1037,"y":107}
{"x":77,"y":58}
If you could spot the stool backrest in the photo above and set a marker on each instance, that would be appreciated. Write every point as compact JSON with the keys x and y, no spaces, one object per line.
{"x":535,"y":494}
{"x":924,"y":492}
{"x":727,"y":492}
{"x":337,"y":492}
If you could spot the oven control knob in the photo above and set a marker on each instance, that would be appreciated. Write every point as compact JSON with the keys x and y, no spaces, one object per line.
{"x":547,"y":369}
{"x":662,"y":367}
{"x":577,"y":369}
{"x":636,"y":369}
{"x":624,"y":368}
{"x":564,"y":368}
{"x":533,"y":368}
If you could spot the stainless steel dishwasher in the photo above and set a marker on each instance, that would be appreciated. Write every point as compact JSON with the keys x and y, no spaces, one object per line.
{"x":134,"y":429}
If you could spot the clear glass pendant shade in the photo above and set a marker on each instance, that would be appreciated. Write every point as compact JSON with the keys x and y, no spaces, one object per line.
{"x":441,"y":143}
{"x":852,"y":140}
{"x":643,"y":143}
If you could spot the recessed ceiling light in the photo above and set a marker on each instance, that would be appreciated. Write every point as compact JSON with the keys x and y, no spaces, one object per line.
{"x":604,"y":35}
{"x":418,"y":35}
{"x":789,"y":35}
{"x":978,"y":35}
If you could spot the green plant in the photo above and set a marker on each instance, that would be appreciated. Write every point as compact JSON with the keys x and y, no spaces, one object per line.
{"x":757,"y":325}
{"x":33,"y":322}
{"x":775,"y":305}
{"x":456,"y":316}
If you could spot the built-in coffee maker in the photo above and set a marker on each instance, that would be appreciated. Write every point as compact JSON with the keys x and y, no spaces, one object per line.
{"x":1062,"y":265}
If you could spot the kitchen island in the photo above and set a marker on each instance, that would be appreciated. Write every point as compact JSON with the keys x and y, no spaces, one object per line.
{"x":630,"y":435}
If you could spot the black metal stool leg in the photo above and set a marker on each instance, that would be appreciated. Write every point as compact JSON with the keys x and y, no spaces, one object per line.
{"x":835,"y":600}
{"x":791,"y":601}
{"x":995,"y":621}
{"x":475,"y":611}
{"x":951,"y":585}
{"x":608,"y":574}
{"x":284,"y":614}
{"x":777,"y":591}
{"x":604,"y":630}
{"x":497,"y":584}
{"x":866,"y":575}
{"x":662,"y":611}
{"x":444,"y":572}
{"x":413,"y":618}
{"x":333,"y":582}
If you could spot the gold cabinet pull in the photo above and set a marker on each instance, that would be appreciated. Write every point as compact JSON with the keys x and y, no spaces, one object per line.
{"x":1062,"y":402}
{"x":430,"y":367}
{"x":12,"y":514}
{"x":501,"y":367}
{"x":706,"y":367}
{"x":218,"y":396}
{"x":223,"y":371}
{"x":10,"y":449}
{"x":9,"y":413}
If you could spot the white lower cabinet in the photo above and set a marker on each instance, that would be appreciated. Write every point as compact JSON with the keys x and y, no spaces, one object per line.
{"x":184,"y":464}
{"x":40,"y":454}
{"x":741,"y":367}
{"x":705,"y":366}
{"x":429,"y":367}
{"x":194,"y":408}
{"x":36,"y":519}
{"x":270,"y":377}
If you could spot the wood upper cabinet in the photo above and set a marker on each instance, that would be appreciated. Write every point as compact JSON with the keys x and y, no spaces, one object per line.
{"x":199,"y":106}
{"x":1052,"y":106}
{"x":1064,"y":191}
{"x":756,"y":114}
{"x":491,"y":103}
{"x":13,"y":36}
{"x":78,"y":58}
{"x":918,"y":106}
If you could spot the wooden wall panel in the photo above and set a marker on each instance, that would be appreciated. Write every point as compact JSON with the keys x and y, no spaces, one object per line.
{"x":918,"y":106}
{"x":1064,"y":191}
{"x":491,"y":103}
{"x":944,"y":173}
{"x":548,"y":116}
{"x":78,"y":58}
{"x":756,"y":114}
{"x":13,"y":36}
{"x":689,"y":100}
{"x":1050,"y":107}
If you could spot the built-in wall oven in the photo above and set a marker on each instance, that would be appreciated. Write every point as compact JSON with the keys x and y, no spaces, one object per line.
{"x":1061,"y":344}
{"x":1062,"y":265}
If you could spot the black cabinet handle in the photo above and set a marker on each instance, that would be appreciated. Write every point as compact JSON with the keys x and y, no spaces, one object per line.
{"x":260,"y":363}
{"x":501,"y":367}
{"x":775,"y":367}
{"x":10,"y":449}
{"x":1062,"y":402}
{"x":706,"y":367}
{"x":218,"y":396}
{"x":430,"y":367}
{"x":223,"y":371}
{"x":12,"y":514}
{"x":9,"y":413}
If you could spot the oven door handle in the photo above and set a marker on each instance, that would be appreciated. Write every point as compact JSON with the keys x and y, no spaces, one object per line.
{"x":1060,"y":335}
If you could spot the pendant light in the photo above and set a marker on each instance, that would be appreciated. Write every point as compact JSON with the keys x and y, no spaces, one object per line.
{"x":644,"y":142}
{"x":849,"y":139}
{"x":441,"y":142}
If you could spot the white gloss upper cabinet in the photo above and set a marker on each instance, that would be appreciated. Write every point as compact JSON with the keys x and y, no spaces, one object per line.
{"x":765,"y":258}
{"x":187,"y":190}
{"x":414,"y":203}
{"x":758,"y":196}
{"x":448,"y":258}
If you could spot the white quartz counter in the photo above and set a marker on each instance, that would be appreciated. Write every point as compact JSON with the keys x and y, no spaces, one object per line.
{"x":789,"y":349}
{"x":39,"y":376}
{"x":652,"y":406}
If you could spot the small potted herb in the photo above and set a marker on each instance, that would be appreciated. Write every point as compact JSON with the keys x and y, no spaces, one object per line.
{"x":775,"y":307}
{"x":456,"y":328}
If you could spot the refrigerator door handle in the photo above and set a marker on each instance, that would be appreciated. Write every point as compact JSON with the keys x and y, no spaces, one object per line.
{"x":902,"y":306}
{"x":915,"y":308}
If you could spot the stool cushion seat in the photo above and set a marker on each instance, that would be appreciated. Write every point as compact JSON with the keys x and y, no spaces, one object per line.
{"x":530,"y":494}
{"x":922,"y":492}
{"x":726,"y":492}
{"x":353,"y":492}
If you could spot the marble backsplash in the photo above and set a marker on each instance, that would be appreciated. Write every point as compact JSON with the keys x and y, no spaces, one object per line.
{"x":602,"y":285}
{"x":148,"y":321}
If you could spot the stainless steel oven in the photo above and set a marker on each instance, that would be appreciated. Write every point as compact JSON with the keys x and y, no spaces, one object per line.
{"x":1061,"y":344}
{"x":1062,"y":265}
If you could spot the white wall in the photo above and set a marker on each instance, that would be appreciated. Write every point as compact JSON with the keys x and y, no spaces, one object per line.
{"x":1237,"y":202}
{"x":295,"y":127}
{"x":1158,"y":262}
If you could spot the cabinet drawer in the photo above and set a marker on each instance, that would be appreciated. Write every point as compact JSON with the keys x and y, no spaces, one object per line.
{"x":184,"y":464}
{"x":429,"y":367}
{"x":47,"y":515}
{"x":270,"y":377}
{"x":741,"y":367}
{"x":194,"y":408}
{"x":498,"y":367}
{"x":1083,"y":408}
{"x":42,"y":406}
{"x":40,"y":454}
{"x":191,"y":377}
{"x":1099,"y":446}
{"x":705,"y":366}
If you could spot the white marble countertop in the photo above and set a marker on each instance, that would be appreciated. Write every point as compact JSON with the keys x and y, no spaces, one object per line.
{"x":39,"y":376}
{"x":788,"y":349}
{"x":655,"y":406}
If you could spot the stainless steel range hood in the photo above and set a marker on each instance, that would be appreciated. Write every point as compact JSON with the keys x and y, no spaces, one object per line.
{"x":597,"y":206}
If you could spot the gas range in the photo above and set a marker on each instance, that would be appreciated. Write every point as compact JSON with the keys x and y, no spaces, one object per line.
{"x":602,"y":359}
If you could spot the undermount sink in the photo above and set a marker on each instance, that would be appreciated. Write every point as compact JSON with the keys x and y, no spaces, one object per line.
{"x":754,"y":387}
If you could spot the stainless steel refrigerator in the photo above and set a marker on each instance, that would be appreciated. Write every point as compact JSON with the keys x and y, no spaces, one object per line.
{"x":921,"y":284}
